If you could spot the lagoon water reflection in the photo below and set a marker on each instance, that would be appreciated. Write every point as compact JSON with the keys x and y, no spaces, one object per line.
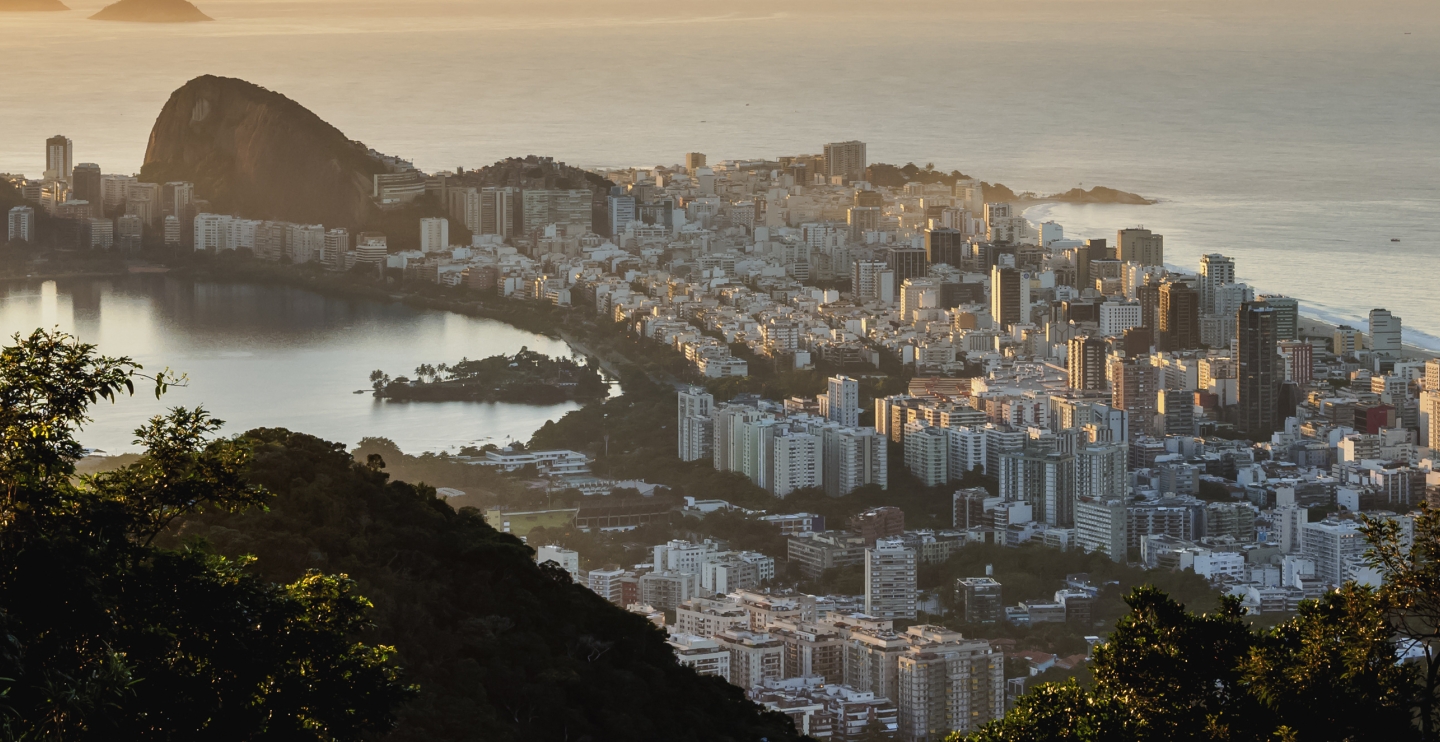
{"x":277,"y":356}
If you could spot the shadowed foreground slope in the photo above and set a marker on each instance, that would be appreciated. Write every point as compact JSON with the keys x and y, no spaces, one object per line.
{"x":502,"y":649}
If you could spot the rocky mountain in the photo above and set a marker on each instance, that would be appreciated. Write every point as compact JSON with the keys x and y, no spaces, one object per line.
{"x":151,"y":11}
{"x":25,"y":6}
{"x":256,"y":153}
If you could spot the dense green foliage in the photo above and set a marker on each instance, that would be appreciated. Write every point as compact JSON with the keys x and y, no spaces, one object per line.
{"x":1410,"y":597}
{"x":502,"y":649}
{"x":108,"y":637}
{"x":1035,"y":572}
{"x":1329,"y":673}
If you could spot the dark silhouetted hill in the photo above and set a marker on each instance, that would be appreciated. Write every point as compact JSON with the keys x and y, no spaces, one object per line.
{"x":503,"y":650}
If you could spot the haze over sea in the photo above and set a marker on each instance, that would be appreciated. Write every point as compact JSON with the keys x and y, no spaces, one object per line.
{"x":1297,"y":137}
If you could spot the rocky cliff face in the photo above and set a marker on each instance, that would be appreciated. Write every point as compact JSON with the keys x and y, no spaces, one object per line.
{"x":255,"y":153}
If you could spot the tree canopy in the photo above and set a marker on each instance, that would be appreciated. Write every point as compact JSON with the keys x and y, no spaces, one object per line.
{"x":1332,"y":672}
{"x":106,"y":635}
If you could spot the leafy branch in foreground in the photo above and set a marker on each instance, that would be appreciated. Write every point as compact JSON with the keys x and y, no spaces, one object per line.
{"x":107,"y":636}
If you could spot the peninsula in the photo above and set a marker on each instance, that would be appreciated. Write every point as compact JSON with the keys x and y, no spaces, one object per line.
{"x":151,"y":11}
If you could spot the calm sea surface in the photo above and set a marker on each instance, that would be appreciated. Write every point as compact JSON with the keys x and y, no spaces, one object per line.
{"x":1298,"y":137}
{"x":278,"y":357}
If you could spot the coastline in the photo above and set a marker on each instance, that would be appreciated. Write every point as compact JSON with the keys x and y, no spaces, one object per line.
{"x":1310,"y":327}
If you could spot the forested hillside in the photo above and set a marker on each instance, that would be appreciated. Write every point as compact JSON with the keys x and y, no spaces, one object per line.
{"x":502,"y":649}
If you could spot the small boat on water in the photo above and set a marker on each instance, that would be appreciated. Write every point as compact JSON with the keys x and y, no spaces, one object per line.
{"x":1394,"y":239}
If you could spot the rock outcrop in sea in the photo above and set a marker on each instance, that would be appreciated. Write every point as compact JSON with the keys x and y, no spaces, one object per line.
{"x":30,"y":6}
{"x":151,"y":11}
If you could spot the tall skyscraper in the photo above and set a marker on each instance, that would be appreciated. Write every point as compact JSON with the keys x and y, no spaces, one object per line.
{"x":1384,"y":333}
{"x":853,"y":457}
{"x":1179,"y":316}
{"x":1006,"y":305}
{"x":1087,"y":363}
{"x":434,"y":234}
{"x":1140,"y":246}
{"x":891,"y":569}
{"x":337,"y":243}
{"x":85,"y":186}
{"x":1216,"y":270}
{"x":846,"y":160}
{"x":59,"y":158}
{"x":842,"y":399}
{"x":865,"y":276}
{"x":1259,"y":371}
{"x":695,"y":428}
{"x":499,"y":212}
{"x":694,"y":161}
{"x":1133,"y":387}
{"x":177,"y":199}
{"x":622,"y":212}
{"x":22,"y":224}
{"x":1299,"y":358}
{"x":863,"y":219}
{"x":1287,"y":315}
{"x":1091,"y":250}
{"x":906,"y":262}
{"x":945,"y":246}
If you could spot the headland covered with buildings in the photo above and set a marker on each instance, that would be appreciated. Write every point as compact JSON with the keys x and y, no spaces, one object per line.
{"x":1063,"y":394}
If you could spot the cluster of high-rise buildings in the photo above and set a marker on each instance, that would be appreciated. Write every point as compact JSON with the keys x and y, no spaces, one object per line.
{"x":839,"y":673}
{"x":785,"y":446}
{"x":92,"y":209}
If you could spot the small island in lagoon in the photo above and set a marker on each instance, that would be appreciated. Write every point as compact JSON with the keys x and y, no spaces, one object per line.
{"x":526,"y":378}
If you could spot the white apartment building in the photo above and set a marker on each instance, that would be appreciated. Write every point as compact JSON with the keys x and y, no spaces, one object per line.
{"x":853,"y":458}
{"x":606,"y":583}
{"x":1216,"y":270}
{"x":842,"y":401}
{"x":682,"y":556}
{"x":947,"y":684}
{"x":927,"y":452}
{"x":22,"y":224}
{"x":797,"y":463}
{"x":890,"y":580}
{"x":434,"y":234}
{"x":754,"y":657}
{"x":708,"y":617}
{"x":967,"y":451}
{"x":1118,"y":316}
{"x":1100,"y":470}
{"x":1331,"y":545}
{"x":694,"y":427}
{"x":704,"y":656}
{"x":569,"y":560}
{"x":1100,"y":525}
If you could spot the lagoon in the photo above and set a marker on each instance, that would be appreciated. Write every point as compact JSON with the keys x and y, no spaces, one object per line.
{"x":278,"y":356}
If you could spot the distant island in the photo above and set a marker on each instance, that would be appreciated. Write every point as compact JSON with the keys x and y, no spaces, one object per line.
{"x":1096,"y":195}
{"x":526,"y":377}
{"x":30,"y":6}
{"x":151,"y":11}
